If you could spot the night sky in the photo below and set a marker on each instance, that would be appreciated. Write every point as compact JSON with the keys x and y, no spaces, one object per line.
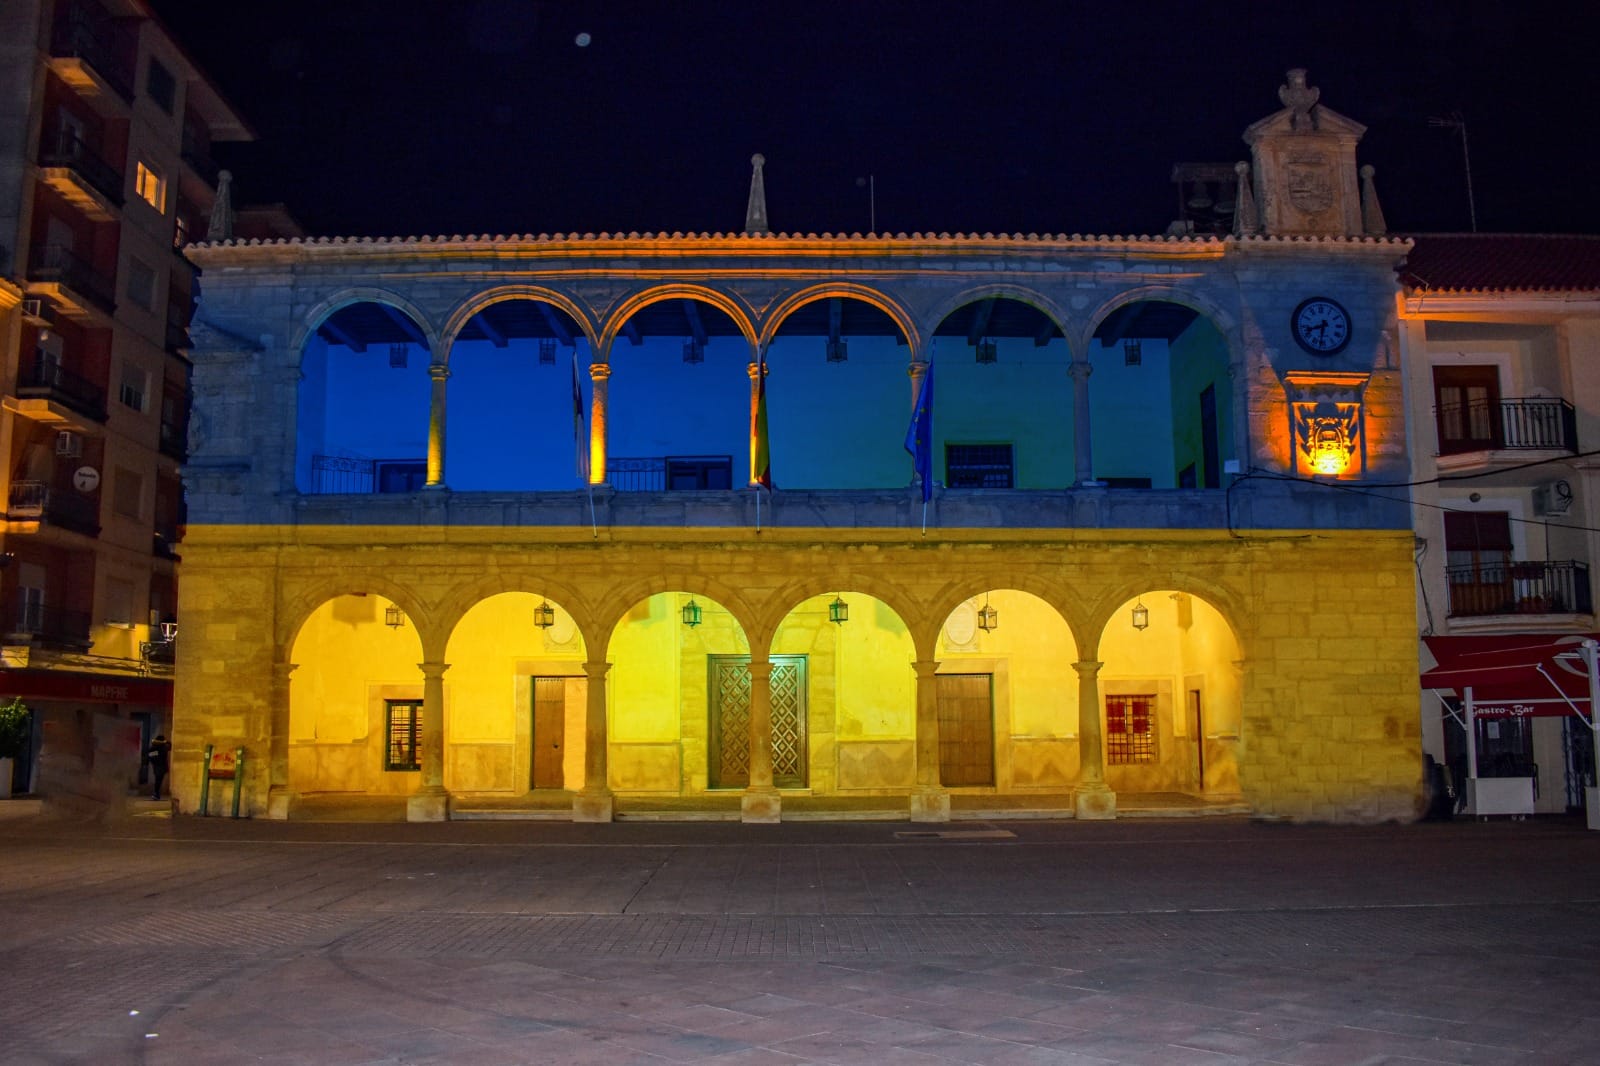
{"x":410,"y":117}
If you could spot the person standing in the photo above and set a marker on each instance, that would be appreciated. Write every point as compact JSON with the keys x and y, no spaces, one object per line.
{"x":159,"y":756}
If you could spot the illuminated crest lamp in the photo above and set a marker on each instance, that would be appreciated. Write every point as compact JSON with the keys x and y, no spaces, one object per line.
{"x":1141,"y":615}
{"x":393,"y":617}
{"x":1329,"y":454}
{"x":988,"y":617}
{"x":691,"y":613}
{"x":544,"y":615}
{"x":838,"y":611}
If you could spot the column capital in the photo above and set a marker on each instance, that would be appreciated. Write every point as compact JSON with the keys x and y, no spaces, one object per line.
{"x":917,"y":367}
{"x":432,"y":671}
{"x":755,"y":368}
{"x":439,"y":371}
{"x":1087,"y":668}
{"x":282,"y":670}
{"x":1080,"y":369}
{"x":925,"y":668}
{"x":596,"y":671}
{"x":759,"y":669}
{"x":599,"y":371}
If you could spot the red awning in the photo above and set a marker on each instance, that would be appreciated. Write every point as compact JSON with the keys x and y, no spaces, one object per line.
{"x":85,"y":688}
{"x":1511,"y":669}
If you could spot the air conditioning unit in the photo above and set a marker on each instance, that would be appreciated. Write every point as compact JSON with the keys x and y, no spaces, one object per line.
{"x":68,"y":444}
{"x":1552,"y":498}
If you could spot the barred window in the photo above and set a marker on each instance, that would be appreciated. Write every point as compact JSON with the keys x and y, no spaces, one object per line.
{"x":977,"y":466}
{"x":1130,"y":730}
{"x":404,"y":729}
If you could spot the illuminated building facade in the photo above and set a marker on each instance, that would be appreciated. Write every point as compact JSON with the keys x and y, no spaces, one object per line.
{"x":106,"y":175}
{"x":472,"y":519}
{"x":1501,"y":341}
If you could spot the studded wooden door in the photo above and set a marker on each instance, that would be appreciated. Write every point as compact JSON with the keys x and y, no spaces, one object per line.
{"x":728,"y":757}
{"x":549,"y":731}
{"x":966,"y":729}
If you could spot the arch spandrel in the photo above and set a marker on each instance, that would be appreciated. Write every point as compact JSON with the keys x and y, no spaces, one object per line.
{"x":610,"y":611}
{"x":735,"y":307}
{"x":880,"y":298}
{"x":465,"y":310}
{"x":1068,"y":323}
{"x":1195,"y":298}
{"x":1057,"y":597}
{"x":781,"y":601}
{"x":297,"y":609}
{"x":1104,"y":609}
{"x":458,"y":601}
{"x":343,"y":298}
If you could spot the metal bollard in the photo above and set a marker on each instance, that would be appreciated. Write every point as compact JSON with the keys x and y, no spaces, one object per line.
{"x":205,"y":781}
{"x":238,"y":777}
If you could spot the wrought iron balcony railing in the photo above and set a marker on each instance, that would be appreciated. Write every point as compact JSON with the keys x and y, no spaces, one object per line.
{"x":57,"y":264}
{"x":85,"y":32}
{"x":1519,"y":588}
{"x":42,"y":623}
{"x":74,"y":154}
{"x":334,"y":475}
{"x":68,"y":510}
{"x":1523,"y":424}
{"x":43,"y":377}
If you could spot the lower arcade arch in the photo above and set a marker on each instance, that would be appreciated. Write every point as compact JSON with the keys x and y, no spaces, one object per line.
{"x":1171,"y":692}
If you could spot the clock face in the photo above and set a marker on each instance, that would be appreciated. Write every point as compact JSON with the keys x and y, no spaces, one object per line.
{"x":1321,"y":326}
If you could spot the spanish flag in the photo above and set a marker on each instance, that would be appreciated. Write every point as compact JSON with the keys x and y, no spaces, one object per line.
{"x":760,"y":447}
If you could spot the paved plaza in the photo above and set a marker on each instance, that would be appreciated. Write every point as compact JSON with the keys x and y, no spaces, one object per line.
{"x":1195,"y":941}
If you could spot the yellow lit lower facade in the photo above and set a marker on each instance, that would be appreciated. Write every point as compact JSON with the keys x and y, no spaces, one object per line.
{"x":1277,"y":669}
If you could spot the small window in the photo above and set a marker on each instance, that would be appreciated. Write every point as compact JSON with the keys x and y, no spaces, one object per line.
{"x":119,"y":602}
{"x":403,"y":727}
{"x":141,"y":283}
{"x":135,"y":386}
{"x":127,"y":496}
{"x":699,"y":472}
{"x":1130,"y":730}
{"x":150,"y":185}
{"x":180,"y":231}
{"x":161,"y":86}
{"x":30,"y":609}
{"x":977,"y":466}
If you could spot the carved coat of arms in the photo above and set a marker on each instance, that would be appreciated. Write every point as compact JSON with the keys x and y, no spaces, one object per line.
{"x":1310,"y":185}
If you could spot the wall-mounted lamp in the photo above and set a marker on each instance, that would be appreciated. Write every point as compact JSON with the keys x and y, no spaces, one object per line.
{"x":694,"y":351}
{"x":987,"y":350}
{"x":544,"y":615}
{"x":1132,"y":352}
{"x":988,"y":617}
{"x":393,"y":617}
{"x":838,"y":611}
{"x":1141,"y":615}
{"x":398,"y":354}
{"x":691,"y":613}
{"x":547,"y":351}
{"x":838,"y":351}
{"x":169,"y":631}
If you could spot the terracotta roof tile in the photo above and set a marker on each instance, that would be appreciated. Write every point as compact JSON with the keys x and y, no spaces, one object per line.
{"x":1502,"y":262}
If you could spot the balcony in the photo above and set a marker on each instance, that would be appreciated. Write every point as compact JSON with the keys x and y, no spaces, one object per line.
{"x":73,"y":285}
{"x":87,"y":54}
{"x":1519,"y":588}
{"x":670,"y":473}
{"x":338,"y":475}
{"x":81,"y":177}
{"x":44,"y":379}
{"x":34,"y":501}
{"x":174,"y":441}
{"x":177,"y":337}
{"x":1530,"y":424}
{"x":34,"y":622}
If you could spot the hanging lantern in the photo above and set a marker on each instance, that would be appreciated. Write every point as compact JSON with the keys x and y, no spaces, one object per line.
{"x":691,"y":613}
{"x":544,"y":615}
{"x":838,"y":611}
{"x":393,"y":617}
{"x":988,"y":617}
{"x":1141,"y":615}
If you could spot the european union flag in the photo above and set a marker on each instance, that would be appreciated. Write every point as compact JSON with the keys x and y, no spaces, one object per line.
{"x":919,"y":435}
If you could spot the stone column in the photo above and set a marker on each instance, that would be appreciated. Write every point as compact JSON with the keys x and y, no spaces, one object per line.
{"x":1082,"y":448}
{"x":594,"y":802}
{"x":280,"y":798}
{"x":761,"y":802}
{"x":600,"y":374}
{"x":431,"y":803}
{"x":930,"y":802}
{"x":757,"y":369}
{"x":1091,"y":798}
{"x":440,"y":373}
{"x":918,"y":370}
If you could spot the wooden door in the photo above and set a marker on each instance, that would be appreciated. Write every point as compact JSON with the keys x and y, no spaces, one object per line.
{"x":728,"y":754}
{"x":549,"y":732}
{"x":966,"y":729}
{"x":1467,"y":408}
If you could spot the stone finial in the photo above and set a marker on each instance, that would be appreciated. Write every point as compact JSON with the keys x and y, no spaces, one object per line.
{"x":1372,"y":223}
{"x":1300,"y":99}
{"x":221,"y":226}
{"x":1246,"y":222}
{"x":755,"y":214}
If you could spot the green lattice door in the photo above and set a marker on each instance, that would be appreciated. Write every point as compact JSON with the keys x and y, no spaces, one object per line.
{"x":728,"y":756}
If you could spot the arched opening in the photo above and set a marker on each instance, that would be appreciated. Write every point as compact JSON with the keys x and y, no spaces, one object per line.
{"x":1171,"y":696}
{"x":513,"y":424}
{"x":355,"y":700}
{"x":677,"y":662}
{"x":1161,"y":400}
{"x":838,"y":397}
{"x":364,"y":403}
{"x":1003,"y":404}
{"x":855,"y":720}
{"x":679,"y":400}
{"x":517,"y":696}
{"x":1007,"y":695}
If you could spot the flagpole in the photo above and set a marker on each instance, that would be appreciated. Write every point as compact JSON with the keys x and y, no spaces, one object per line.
{"x":594,"y":526}
{"x":757,"y":489}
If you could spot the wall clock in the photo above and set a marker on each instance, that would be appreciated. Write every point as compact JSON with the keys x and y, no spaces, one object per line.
{"x":1321,"y":326}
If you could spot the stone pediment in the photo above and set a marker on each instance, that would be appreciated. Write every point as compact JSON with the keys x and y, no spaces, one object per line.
{"x":1324,"y":121}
